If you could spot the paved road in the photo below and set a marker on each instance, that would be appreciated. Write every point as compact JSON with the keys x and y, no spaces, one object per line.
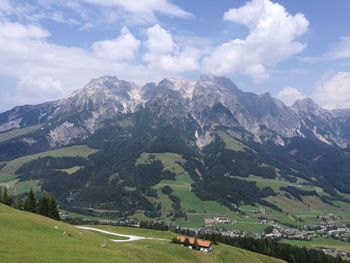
{"x":130,"y":237}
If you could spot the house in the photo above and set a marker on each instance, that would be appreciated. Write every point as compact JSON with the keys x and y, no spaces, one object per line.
{"x":209,"y":221}
{"x":204,"y":245}
{"x":222,"y":220}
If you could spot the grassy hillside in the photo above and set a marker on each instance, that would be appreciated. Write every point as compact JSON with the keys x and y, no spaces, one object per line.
{"x":26,"y":237}
{"x":320,"y":242}
{"x":195,"y":208}
{"x":7,"y":172}
{"x":232,"y":143}
{"x":17,"y":132}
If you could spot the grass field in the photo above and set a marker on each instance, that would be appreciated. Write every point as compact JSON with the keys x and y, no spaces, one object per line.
{"x":7,"y":173}
{"x":320,"y":242}
{"x":231,"y":143}
{"x":310,"y":208}
{"x":16,"y":187}
{"x":71,"y":170}
{"x":261,"y":182}
{"x":17,"y":132}
{"x":26,"y":237}
{"x":307,"y":210}
{"x":196,"y":209}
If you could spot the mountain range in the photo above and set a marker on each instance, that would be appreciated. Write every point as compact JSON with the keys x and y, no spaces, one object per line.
{"x":219,"y":134}
{"x":212,"y":101}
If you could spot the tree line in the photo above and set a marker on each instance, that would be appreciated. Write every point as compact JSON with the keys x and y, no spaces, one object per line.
{"x":5,"y":196}
{"x":265,"y":246}
{"x":45,"y":205}
{"x":273,"y":248}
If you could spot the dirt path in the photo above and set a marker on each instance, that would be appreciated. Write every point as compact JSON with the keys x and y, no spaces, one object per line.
{"x":130,"y":237}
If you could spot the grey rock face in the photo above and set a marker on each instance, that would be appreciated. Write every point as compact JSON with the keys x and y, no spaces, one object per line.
{"x":218,"y":102}
{"x":214,"y":102}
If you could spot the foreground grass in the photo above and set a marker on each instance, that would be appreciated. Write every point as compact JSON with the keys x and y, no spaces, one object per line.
{"x":26,"y":237}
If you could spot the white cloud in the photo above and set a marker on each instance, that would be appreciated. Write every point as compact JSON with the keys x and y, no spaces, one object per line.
{"x":45,"y":86}
{"x":272,"y":38}
{"x":289,"y":95}
{"x":340,"y":50}
{"x":88,"y":14}
{"x":17,"y":30}
{"x":334,"y":93}
{"x":5,"y":6}
{"x":144,"y":11}
{"x":122,"y":47}
{"x":163,"y":55}
{"x":46,"y":71}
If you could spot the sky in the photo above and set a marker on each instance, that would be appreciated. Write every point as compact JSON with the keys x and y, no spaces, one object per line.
{"x":292,"y":49}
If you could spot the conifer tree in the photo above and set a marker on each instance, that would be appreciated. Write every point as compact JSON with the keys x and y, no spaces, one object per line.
{"x":54,"y":213}
{"x":30,"y":202}
{"x":6,"y":197}
{"x":47,"y":206}
{"x":0,"y":194}
{"x":44,"y":205}
{"x":19,"y":204}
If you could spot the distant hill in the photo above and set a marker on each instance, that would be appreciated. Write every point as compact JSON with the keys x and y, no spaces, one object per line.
{"x":26,"y":237}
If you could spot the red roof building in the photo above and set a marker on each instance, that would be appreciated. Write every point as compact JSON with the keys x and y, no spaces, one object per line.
{"x":204,"y":245}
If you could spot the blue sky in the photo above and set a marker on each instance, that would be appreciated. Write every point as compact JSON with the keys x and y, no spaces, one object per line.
{"x":292,"y":49}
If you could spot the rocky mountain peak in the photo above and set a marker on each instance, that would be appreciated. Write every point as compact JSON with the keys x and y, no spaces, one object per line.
{"x":213,"y":101}
{"x":104,"y":92}
{"x":308,"y":106}
{"x":175,"y":87}
{"x":217,"y":81}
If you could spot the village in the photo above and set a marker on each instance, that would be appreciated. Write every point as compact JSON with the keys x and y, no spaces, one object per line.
{"x":327,"y":228}
{"x":223,"y":225}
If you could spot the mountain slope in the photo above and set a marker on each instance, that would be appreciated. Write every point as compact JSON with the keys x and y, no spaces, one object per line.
{"x":212,"y":101}
{"x":222,"y":136}
{"x":26,"y":237}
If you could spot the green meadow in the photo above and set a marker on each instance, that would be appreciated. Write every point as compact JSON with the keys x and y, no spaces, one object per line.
{"x":17,"y":132}
{"x":8,"y":172}
{"x":27,"y":237}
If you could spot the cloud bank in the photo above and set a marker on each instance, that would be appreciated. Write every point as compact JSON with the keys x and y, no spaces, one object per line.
{"x":273,"y":37}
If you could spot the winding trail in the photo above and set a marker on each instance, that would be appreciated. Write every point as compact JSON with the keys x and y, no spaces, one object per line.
{"x":130,"y":237}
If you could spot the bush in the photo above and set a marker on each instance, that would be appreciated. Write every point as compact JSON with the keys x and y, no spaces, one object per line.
{"x":174,"y":240}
